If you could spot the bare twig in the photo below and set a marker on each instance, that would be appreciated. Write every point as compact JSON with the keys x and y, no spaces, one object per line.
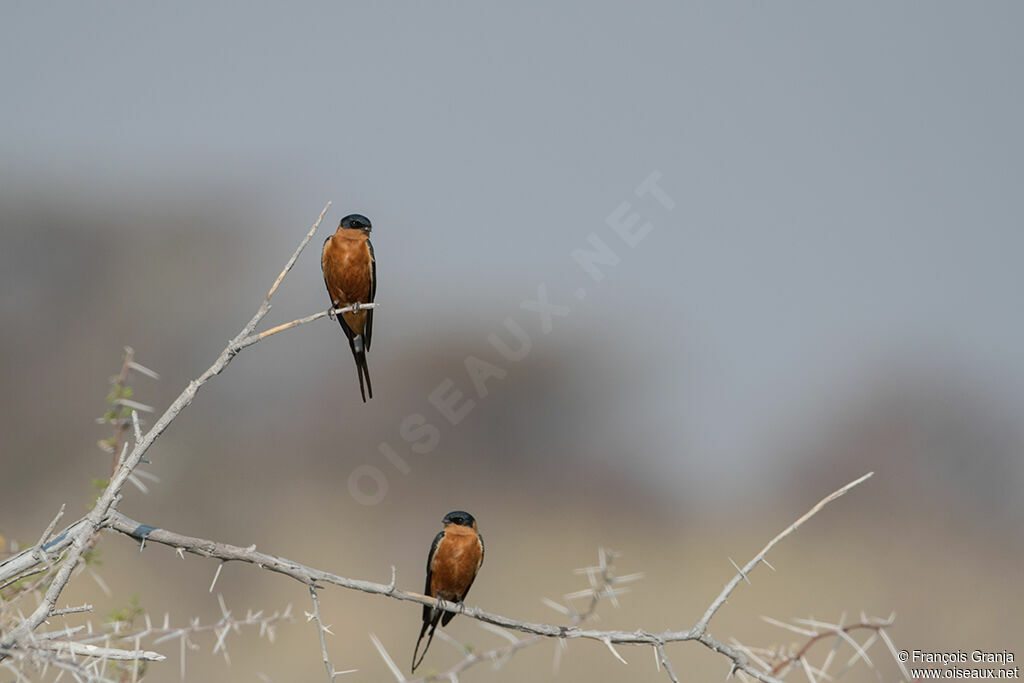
{"x":76,"y":648}
{"x":742,"y":574}
{"x":895,"y":655}
{"x":322,"y":631}
{"x":71,"y":610}
{"x":829,"y":631}
{"x":663,"y":658}
{"x":395,"y":671}
{"x":40,"y":547}
{"x":43,"y":658}
{"x":113,"y":446}
{"x":24,"y":564}
{"x":252,"y":339}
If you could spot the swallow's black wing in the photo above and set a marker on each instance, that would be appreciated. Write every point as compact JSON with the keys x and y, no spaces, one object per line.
{"x":430,"y":615}
{"x":430,"y":560}
{"x":368,"y":331}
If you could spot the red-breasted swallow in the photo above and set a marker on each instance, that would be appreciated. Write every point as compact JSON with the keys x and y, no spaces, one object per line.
{"x":455,"y":557}
{"x":350,"y":273}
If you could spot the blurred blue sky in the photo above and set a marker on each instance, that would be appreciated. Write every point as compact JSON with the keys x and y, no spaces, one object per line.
{"x":847,"y":177}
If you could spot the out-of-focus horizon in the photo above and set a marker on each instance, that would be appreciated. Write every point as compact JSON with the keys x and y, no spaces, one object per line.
{"x":834,"y":290}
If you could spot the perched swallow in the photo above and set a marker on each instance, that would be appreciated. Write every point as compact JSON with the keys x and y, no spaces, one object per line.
{"x":350,"y":273}
{"x":455,"y":557}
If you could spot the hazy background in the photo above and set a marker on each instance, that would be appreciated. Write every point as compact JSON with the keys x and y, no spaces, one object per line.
{"x":836,"y":291}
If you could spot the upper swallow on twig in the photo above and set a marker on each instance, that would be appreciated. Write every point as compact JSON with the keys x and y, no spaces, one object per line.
{"x":455,"y":558}
{"x":350,"y":273}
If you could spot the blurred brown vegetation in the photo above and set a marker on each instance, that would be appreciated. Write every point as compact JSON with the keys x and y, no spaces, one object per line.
{"x":264,"y":453}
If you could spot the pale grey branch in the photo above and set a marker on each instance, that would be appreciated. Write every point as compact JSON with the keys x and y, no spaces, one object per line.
{"x":321,"y":630}
{"x":76,"y":648}
{"x":743,"y":573}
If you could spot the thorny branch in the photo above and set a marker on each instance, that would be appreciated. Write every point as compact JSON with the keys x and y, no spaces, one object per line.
{"x":69,"y":546}
{"x":742,"y":574}
{"x":97,"y":646}
{"x":107,"y":501}
{"x":45,"y":659}
{"x":322,"y":631}
{"x":311,"y":576}
{"x":122,"y":407}
{"x":781,"y":660}
{"x":819,"y":631}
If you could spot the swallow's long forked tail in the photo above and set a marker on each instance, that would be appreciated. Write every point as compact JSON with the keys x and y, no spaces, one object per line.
{"x":362,"y":369}
{"x":432,"y":625}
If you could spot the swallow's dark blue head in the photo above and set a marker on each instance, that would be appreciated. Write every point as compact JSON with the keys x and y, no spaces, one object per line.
{"x":356,"y":221}
{"x":459,"y":518}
